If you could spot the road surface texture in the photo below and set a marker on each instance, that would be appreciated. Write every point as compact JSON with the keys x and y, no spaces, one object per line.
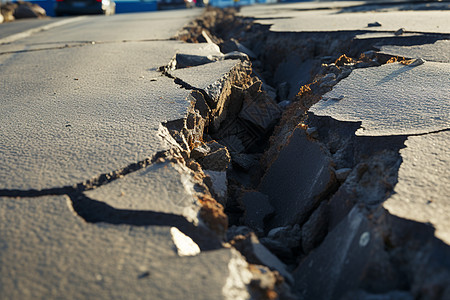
{"x":295,"y":151}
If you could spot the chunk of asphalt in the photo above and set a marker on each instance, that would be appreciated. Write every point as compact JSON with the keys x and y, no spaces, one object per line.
{"x":260,"y":110}
{"x":256,"y":208}
{"x":44,"y":241}
{"x":296,"y":179}
{"x":315,"y":229}
{"x":217,"y":160}
{"x":439,"y":51}
{"x":423,"y":188}
{"x":256,"y":253}
{"x":162,"y":187}
{"x":200,"y":152}
{"x":356,"y":248}
{"x":219,"y":185}
{"x":393,"y":99}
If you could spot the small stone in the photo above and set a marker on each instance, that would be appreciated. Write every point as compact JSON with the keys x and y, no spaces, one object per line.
{"x":245,"y":161}
{"x":342,"y":174}
{"x":400,"y":31}
{"x":237,"y":55}
{"x":185,"y":246}
{"x":216,"y":161}
{"x":200,"y":151}
{"x":284,"y":104}
{"x":312,"y":132}
{"x":417,"y":62}
{"x":374,"y":24}
{"x":364,"y":239}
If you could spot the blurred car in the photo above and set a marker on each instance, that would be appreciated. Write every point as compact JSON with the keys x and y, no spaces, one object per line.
{"x":84,"y":7}
{"x":167,"y":4}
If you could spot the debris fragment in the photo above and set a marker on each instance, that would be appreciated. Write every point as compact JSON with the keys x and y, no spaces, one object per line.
{"x":374,"y":24}
{"x":216,"y":160}
{"x":185,"y":245}
{"x":257,"y":208}
{"x":401,"y":31}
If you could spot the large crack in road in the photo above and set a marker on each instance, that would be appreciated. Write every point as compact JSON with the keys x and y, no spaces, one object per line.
{"x":309,"y":197}
{"x":304,"y":193}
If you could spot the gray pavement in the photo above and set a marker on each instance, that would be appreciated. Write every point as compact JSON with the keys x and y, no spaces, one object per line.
{"x":106,"y":126}
{"x":81,"y":103}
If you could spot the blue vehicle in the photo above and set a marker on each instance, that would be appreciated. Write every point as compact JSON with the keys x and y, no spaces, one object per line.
{"x":84,"y":7}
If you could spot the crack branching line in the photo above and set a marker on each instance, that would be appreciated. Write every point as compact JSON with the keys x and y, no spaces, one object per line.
{"x":90,"y":184}
{"x":94,"y":211}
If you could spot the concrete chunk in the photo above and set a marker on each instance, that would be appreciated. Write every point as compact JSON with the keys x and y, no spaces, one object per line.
{"x":423,"y":188}
{"x":49,"y":252}
{"x":296,"y":179}
{"x":163,"y":187}
{"x":257,"y":208}
{"x":392,"y":99}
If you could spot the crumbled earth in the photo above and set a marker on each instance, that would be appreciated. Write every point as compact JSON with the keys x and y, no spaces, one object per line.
{"x":11,"y":11}
{"x":315,"y":170}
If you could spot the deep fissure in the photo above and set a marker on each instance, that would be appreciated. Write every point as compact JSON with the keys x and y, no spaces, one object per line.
{"x":365,"y":168}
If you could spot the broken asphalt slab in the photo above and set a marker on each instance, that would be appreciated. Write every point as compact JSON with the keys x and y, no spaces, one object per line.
{"x":422,"y":192}
{"x":78,"y":122}
{"x":392,"y":99}
{"x":309,"y":17}
{"x":47,"y":251}
{"x":166,"y":187}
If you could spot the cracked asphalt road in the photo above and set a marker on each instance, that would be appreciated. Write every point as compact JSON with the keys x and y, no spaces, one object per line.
{"x":99,"y":201}
{"x":83,"y":104}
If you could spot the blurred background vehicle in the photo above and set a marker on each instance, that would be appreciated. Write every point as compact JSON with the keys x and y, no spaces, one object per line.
{"x":168,"y":4}
{"x":83,"y":7}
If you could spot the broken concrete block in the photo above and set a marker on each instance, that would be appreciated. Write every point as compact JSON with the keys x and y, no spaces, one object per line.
{"x":256,"y":253}
{"x":244,"y":161}
{"x":315,"y":229}
{"x":423,"y":189}
{"x":233,"y":45}
{"x":217,"y":160}
{"x":261,"y":110}
{"x":163,"y":187}
{"x":289,"y":236}
{"x":342,"y":174}
{"x":200,"y":151}
{"x":256,"y":209}
{"x":296,"y":179}
{"x":219,"y":185}
{"x":357,"y":260}
{"x":49,"y":251}
{"x":392,"y":99}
